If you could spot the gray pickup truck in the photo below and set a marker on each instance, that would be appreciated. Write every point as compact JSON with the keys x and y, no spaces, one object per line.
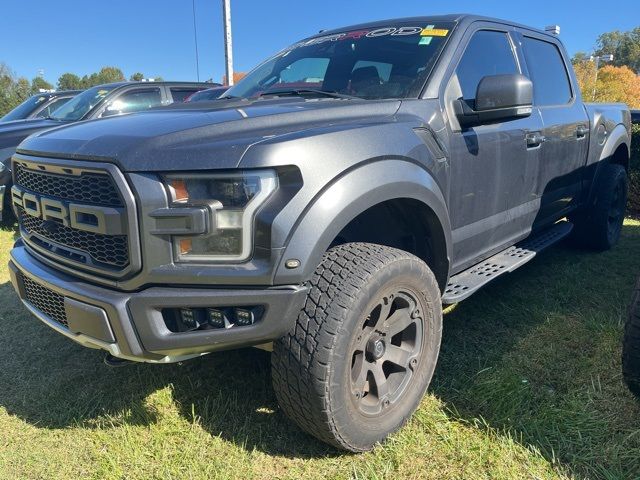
{"x":327,"y":207}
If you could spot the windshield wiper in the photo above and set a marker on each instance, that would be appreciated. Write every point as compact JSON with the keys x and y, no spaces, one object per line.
{"x":301,"y":92}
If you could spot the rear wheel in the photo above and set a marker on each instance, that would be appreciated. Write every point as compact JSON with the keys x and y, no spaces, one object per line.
{"x":631,"y":344}
{"x":364,"y":347}
{"x":599,"y":228}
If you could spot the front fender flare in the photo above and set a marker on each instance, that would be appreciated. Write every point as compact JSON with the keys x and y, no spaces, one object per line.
{"x":350,"y":195}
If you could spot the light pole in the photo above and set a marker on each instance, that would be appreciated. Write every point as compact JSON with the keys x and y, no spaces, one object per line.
{"x":597,"y":59}
{"x":228,"y":50}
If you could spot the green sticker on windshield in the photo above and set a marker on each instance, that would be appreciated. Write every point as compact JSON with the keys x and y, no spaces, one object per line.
{"x":425,"y":40}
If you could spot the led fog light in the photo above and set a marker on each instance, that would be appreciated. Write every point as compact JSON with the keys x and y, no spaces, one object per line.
{"x":217,"y":318}
{"x":244,"y":317}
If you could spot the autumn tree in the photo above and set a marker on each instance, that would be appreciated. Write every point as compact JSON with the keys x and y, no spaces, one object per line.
{"x":615,"y":84}
{"x":136,"y":77}
{"x":618,"y":84}
{"x":586,"y":75}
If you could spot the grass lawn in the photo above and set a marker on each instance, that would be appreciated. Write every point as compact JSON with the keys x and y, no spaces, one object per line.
{"x":528,"y":385}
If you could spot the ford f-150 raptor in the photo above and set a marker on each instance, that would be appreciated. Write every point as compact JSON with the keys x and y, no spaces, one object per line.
{"x":329,"y":204}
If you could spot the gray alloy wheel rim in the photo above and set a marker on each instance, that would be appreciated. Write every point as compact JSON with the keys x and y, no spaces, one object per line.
{"x":386,"y":353}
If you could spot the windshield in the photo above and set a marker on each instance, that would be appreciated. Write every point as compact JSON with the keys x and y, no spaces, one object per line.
{"x":25,"y":109}
{"x":80,"y":105}
{"x":380,"y":63}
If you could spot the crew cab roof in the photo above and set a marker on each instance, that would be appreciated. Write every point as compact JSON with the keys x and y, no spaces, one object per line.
{"x":457,"y":18}
{"x":162,"y":83}
{"x":57,"y":93}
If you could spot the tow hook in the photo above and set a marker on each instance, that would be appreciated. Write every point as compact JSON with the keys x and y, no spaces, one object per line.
{"x":111,"y":361}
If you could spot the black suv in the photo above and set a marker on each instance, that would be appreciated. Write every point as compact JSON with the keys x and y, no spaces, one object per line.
{"x":41,"y":105}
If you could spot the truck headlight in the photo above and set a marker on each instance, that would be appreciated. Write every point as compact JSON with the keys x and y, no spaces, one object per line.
{"x":236,"y":196}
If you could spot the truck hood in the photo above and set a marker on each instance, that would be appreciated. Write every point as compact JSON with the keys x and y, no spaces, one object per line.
{"x":12,"y":133}
{"x":194,"y":139}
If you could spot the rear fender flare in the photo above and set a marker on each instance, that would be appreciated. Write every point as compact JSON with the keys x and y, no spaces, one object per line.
{"x":618,"y":136}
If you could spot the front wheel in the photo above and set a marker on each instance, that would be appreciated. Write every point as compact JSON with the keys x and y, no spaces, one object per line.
{"x":364,"y":347}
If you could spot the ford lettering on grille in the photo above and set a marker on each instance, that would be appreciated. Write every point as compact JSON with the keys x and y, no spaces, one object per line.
{"x":88,"y":218}
{"x":76,"y":216}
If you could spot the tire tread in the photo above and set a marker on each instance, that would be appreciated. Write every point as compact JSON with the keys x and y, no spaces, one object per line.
{"x":301,"y":363}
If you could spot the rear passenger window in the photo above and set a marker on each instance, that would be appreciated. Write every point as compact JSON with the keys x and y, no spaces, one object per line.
{"x":180,"y":94}
{"x":548,"y":73}
{"x":488,"y":53}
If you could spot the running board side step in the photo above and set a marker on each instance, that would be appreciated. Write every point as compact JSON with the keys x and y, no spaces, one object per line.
{"x":466,"y":283}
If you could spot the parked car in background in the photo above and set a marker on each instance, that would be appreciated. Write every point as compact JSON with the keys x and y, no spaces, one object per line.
{"x":631,"y":344}
{"x":207,"y":95}
{"x":635,"y":116}
{"x":40,"y":106}
{"x":97,"y":102}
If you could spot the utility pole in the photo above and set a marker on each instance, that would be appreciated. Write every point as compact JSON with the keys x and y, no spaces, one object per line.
{"x":228,"y":49}
{"x":597,"y":59}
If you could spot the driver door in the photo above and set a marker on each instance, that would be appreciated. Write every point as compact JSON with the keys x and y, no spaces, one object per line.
{"x":493,"y":198}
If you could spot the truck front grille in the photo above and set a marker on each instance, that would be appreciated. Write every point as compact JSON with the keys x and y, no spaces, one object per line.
{"x":48,"y":192}
{"x":108,"y":250}
{"x":88,"y":187}
{"x":45,"y":300}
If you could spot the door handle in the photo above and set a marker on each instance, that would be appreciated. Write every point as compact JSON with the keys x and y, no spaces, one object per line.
{"x":581,"y":131}
{"x":534,"y":140}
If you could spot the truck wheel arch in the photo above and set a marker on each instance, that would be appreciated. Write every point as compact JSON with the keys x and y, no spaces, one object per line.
{"x":618,"y":137}
{"x":616,"y":150}
{"x":349,"y":196}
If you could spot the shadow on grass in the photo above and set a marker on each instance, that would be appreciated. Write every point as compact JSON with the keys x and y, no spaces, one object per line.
{"x":523,"y":354}
{"x":50,"y":382}
{"x":537,"y":355}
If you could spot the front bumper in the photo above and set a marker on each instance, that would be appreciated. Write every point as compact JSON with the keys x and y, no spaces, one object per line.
{"x":130,"y":325}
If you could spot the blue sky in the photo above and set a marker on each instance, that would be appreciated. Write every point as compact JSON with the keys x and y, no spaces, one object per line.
{"x":156,"y":36}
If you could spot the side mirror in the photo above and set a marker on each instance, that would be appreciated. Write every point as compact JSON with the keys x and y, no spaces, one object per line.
{"x":499,"y":97}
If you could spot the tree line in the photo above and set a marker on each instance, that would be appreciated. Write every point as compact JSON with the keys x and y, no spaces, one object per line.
{"x":618,"y":80}
{"x":15,"y":90}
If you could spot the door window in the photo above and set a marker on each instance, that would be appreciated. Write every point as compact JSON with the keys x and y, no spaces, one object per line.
{"x":488,"y":53}
{"x":134,"y":101}
{"x":181,"y":94}
{"x":49,"y":109}
{"x":548,"y":73}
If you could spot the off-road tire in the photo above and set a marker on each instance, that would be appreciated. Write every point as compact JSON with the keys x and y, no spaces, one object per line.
{"x":631,"y":344}
{"x":313,"y":366}
{"x":599,"y":227}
